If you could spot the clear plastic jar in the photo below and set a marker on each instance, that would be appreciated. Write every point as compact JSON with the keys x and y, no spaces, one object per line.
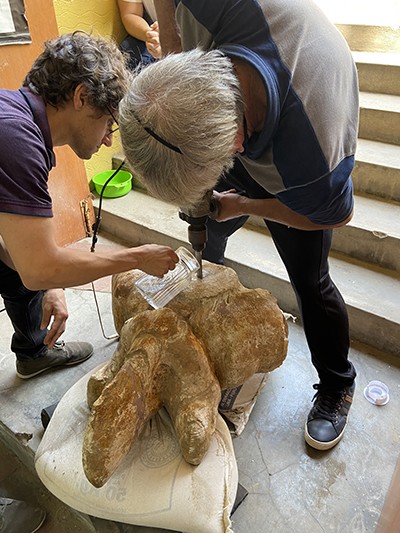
{"x":159,"y":291}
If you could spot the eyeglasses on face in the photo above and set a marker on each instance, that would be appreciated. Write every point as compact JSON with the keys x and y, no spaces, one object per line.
{"x":112,"y":130}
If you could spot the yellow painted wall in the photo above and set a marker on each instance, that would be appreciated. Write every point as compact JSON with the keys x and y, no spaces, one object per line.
{"x":99,"y":17}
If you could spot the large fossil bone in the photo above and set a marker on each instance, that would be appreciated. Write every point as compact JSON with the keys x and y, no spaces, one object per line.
{"x":212,"y":336}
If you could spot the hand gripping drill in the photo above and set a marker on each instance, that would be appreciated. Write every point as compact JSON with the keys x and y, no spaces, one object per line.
{"x":196,"y":216}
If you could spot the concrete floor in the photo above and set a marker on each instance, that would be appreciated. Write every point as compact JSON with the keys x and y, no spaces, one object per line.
{"x":292,"y":488}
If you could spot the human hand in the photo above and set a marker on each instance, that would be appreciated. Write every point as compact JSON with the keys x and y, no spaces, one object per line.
{"x":156,"y":260}
{"x":153,"y":41}
{"x":54,"y":307}
{"x":229,"y":204}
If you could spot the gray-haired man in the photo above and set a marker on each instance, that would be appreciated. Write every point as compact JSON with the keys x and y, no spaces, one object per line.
{"x":290,"y":153}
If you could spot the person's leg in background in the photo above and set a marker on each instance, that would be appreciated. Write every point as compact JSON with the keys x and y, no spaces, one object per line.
{"x":219,"y":232}
{"x":24,"y":308}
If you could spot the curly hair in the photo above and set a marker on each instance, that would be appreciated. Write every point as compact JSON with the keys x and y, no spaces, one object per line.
{"x":78,"y":58}
{"x":178,"y":124}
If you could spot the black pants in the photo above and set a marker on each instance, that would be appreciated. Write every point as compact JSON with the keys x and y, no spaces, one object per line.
{"x":24,"y":307}
{"x":305,"y":255}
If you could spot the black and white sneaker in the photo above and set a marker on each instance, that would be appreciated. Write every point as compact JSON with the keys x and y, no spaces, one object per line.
{"x":327,"y":419}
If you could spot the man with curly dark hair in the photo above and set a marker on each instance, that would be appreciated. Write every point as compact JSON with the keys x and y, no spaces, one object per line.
{"x":69,"y":97}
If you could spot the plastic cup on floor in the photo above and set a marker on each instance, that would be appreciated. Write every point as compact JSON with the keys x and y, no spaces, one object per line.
{"x":159,"y":291}
{"x":377,"y":392}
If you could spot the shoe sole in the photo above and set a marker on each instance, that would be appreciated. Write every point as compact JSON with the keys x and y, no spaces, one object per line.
{"x":28,"y":376}
{"x":322,"y":446}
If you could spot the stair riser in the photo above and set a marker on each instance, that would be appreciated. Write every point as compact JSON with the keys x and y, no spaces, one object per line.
{"x":371,"y":38}
{"x":383,"y":79}
{"x":374,"y":331}
{"x":367,"y":246}
{"x":358,"y":243}
{"x":378,"y":125}
{"x":376,"y":180}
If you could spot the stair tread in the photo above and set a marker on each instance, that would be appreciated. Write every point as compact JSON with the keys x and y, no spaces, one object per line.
{"x":376,"y":216}
{"x":379,"y":101}
{"x":377,"y":58}
{"x":374,"y":290}
{"x":378,"y":153}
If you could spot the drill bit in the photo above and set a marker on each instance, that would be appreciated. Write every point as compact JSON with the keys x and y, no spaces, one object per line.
{"x":198,"y":256}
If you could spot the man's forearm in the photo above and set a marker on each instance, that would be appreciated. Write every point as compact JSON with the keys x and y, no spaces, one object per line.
{"x":272,"y":209}
{"x":69,"y":268}
{"x":169,"y":35}
{"x":232,"y":205}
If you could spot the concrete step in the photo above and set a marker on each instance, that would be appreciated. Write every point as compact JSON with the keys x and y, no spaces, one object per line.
{"x":372,"y":295}
{"x":377,"y":169}
{"x":367,"y":38}
{"x":378,"y":72}
{"x":372,"y":236}
{"x":380,"y":117}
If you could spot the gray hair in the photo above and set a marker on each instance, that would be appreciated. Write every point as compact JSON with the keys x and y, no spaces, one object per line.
{"x":191,"y":101}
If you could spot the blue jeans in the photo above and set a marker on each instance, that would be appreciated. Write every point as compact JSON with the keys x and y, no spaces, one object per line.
{"x":24,"y":307}
{"x":305,"y":255}
{"x":137,"y":52}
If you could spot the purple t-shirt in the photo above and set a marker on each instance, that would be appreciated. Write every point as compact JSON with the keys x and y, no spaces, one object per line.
{"x":26,"y":154}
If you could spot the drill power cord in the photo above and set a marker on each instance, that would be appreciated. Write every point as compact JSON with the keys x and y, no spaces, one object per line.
{"x":95,"y":229}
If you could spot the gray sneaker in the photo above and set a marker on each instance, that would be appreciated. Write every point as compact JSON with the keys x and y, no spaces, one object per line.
{"x":21,"y":517}
{"x":63,"y":354}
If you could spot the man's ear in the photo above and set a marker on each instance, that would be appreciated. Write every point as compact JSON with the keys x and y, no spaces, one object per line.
{"x":80,"y":97}
{"x":239,"y":141}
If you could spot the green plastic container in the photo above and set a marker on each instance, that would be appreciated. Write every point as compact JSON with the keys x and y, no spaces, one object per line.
{"x":120,"y":185}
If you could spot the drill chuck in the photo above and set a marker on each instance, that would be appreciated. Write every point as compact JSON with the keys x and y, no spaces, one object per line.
{"x":197,"y":230}
{"x":197,"y":236}
{"x":196,"y":217}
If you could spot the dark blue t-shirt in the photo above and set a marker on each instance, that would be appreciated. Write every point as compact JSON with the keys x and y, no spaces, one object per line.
{"x":26,"y":155}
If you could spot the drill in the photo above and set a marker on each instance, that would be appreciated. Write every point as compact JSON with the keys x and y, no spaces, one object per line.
{"x":196,"y":217}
